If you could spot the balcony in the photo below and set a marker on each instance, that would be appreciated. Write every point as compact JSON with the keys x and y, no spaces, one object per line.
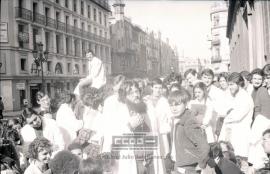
{"x":215,"y":60}
{"x":103,"y":4}
{"x":49,"y":22}
{"x":38,"y":18}
{"x":52,"y":23}
{"x":23,"y":13}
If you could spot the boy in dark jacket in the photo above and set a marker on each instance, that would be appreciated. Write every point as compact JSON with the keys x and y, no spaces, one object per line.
{"x":189,"y":144}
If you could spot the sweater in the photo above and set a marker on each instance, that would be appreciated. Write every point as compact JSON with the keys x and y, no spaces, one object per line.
{"x":262,"y":103}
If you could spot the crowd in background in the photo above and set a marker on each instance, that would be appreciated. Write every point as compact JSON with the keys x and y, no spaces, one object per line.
{"x":203,"y":123}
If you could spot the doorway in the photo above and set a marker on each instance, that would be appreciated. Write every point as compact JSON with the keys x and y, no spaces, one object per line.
{"x":33,"y":92}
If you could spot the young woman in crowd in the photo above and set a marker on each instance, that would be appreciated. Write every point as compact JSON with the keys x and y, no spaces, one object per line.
{"x":202,"y":107}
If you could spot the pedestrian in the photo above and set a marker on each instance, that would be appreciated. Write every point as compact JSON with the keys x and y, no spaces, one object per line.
{"x":1,"y":108}
{"x":236,"y":126}
{"x":189,"y":143}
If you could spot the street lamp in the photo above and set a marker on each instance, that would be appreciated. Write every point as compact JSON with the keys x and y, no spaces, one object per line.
{"x":40,"y":56}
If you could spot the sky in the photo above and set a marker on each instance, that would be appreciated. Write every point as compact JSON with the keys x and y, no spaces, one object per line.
{"x":185,"y":23}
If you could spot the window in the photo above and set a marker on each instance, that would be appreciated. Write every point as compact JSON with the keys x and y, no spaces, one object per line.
{"x":67,"y":20}
{"x":57,"y":1}
{"x":105,"y":35}
{"x":47,"y":12}
{"x":89,"y":28}
{"x":89,"y":11}
{"x":76,"y":46}
{"x":66,"y":3}
{"x":84,"y":68}
{"x":100,"y":33}
{"x":68,"y":85}
{"x":82,"y":25}
{"x":47,"y":41}
{"x":58,"y":69}
{"x":82,"y":8}
{"x":95,"y":30}
{"x":57,"y":18}
{"x":95,"y":14}
{"x":105,"y":20}
{"x":35,"y":33}
{"x":49,"y":66}
{"x":75,"y":22}
{"x":68,"y":49}
{"x":75,"y":5}
{"x":21,"y":30}
{"x":100,"y":17}
{"x":76,"y":69}
{"x":83,"y":48}
{"x":57,"y":37}
{"x":68,"y":67}
{"x":23,"y":64}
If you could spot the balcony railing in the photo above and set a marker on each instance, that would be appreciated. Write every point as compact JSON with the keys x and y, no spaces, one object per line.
{"x":43,"y":20}
{"x":38,"y":18}
{"x":23,"y":13}
{"x":49,"y":22}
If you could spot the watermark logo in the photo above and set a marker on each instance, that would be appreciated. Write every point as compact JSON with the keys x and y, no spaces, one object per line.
{"x":137,"y":141}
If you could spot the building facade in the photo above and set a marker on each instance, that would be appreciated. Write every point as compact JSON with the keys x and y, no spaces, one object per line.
{"x":220,"y":59}
{"x":138,"y":53}
{"x":248,"y":32}
{"x":66,"y":28}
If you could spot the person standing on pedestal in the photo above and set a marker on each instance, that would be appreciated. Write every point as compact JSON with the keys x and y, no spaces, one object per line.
{"x":96,"y":73}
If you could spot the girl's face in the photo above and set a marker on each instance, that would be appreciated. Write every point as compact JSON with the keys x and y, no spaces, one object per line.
{"x":267,"y":81}
{"x":257,"y":80}
{"x":198,"y":93}
{"x":44,"y":156}
{"x":223,"y":83}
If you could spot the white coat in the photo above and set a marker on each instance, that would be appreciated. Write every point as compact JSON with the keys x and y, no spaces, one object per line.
{"x":68,"y":123}
{"x":117,"y":117}
{"x":160,"y":121}
{"x":236,"y":126}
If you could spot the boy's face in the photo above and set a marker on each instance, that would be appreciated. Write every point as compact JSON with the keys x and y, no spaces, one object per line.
{"x":191,"y":79}
{"x":34,"y":121}
{"x":157,"y":90}
{"x":266,"y":143}
{"x":207,"y":79}
{"x":177,"y":109}
{"x":234,"y":88}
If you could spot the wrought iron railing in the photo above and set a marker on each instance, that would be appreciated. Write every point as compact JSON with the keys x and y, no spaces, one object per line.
{"x":47,"y":21}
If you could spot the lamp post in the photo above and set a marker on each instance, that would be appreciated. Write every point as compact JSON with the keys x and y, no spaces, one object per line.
{"x":40,"y":57}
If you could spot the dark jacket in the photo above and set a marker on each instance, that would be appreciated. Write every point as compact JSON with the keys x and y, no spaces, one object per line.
{"x":190,"y":142}
{"x":226,"y":166}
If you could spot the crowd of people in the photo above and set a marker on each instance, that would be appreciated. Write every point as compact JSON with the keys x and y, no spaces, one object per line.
{"x":202,"y":123}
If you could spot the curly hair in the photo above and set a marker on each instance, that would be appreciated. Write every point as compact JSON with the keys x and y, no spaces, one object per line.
{"x":93,"y":97}
{"x":64,"y":162}
{"x":37,"y":146}
{"x":90,"y":166}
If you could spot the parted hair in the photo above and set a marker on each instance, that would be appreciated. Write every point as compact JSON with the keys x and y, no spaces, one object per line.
{"x":180,"y":96}
{"x":237,"y":78}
